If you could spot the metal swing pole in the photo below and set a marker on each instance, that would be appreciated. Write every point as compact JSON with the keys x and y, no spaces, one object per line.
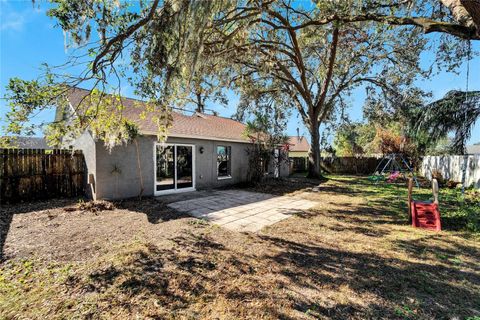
{"x":383,"y":169}
{"x":411,"y":171}
{"x":378,"y":165}
{"x":395,"y":164}
{"x":388,"y":162}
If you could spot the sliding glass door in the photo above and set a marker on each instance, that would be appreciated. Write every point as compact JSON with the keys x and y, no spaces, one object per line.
{"x":184,"y":167}
{"x":174,"y":168}
{"x":165,"y":175}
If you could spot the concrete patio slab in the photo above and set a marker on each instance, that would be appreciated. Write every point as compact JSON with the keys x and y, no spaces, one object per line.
{"x":242,"y":210}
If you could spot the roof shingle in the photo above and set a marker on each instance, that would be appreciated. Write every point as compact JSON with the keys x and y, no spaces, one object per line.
{"x":473,"y":149}
{"x":298,"y":143}
{"x":22,"y":142}
{"x":195,"y":126}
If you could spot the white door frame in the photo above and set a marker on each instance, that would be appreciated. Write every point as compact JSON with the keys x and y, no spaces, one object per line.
{"x":175,"y":189}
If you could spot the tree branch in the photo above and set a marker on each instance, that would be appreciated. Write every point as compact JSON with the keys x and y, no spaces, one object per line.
{"x":473,"y":9}
{"x":428,"y":25}
{"x":328,"y":76}
{"x":124,"y":35}
{"x":298,"y":54}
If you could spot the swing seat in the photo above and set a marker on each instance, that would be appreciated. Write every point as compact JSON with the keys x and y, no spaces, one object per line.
{"x":393,"y":177}
{"x":396,"y":165}
{"x":376,"y":178}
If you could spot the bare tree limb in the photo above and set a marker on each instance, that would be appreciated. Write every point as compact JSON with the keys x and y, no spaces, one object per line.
{"x":428,"y":25}
{"x":124,"y":35}
{"x":328,"y":76}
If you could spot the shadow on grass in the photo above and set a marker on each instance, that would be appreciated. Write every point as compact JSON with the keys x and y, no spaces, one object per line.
{"x":197,"y":270}
{"x":444,"y":250}
{"x":394,"y":282}
{"x":284,"y":185}
{"x":155,"y":209}
{"x":287,"y":277}
{"x":371,"y":213}
{"x":369,"y":231}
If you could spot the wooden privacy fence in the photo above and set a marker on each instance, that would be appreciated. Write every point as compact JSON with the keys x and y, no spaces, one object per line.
{"x":32,"y":174}
{"x":350,"y":165}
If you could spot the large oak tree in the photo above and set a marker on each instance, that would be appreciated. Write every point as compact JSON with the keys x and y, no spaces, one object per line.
{"x":305,"y":55}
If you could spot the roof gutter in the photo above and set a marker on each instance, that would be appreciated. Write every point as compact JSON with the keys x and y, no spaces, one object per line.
{"x":187,"y":136}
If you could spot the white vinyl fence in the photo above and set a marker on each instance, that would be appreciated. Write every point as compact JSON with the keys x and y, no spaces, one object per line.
{"x":451,"y":168}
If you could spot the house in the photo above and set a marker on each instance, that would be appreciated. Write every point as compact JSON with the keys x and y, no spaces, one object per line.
{"x":27,"y":142}
{"x":298,"y":148}
{"x":201,"y":152}
{"x":473,"y":149}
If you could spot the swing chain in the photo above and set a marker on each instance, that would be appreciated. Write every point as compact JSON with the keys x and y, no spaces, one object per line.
{"x":465,"y":156}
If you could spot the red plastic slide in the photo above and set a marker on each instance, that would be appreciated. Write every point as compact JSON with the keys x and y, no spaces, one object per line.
{"x":425,"y":214}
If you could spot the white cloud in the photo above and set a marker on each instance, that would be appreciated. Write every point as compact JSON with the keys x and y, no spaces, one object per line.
{"x":14,"y":18}
{"x":11,"y":21}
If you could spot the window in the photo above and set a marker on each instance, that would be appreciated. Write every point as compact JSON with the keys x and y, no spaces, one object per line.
{"x":224,"y":169}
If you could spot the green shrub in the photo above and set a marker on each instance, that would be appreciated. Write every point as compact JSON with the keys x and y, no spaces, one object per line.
{"x":461,"y":212}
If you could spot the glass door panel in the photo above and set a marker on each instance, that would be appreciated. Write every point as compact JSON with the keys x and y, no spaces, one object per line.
{"x":184,"y":167}
{"x":165,"y":179}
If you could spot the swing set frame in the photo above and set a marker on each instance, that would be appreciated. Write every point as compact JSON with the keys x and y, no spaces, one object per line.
{"x":390,"y":162}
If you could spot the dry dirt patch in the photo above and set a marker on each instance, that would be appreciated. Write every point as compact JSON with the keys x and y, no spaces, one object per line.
{"x":349,"y":257}
{"x":75,"y":230}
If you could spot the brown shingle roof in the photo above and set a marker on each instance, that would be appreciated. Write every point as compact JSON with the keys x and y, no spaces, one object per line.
{"x":473,"y":149}
{"x":195,"y":126}
{"x":28,"y":142}
{"x":298,"y":144}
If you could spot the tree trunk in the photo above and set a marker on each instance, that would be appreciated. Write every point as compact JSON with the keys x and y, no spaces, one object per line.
{"x":473,"y":8}
{"x":459,"y":12}
{"x":314,"y":153}
{"x":200,"y":106}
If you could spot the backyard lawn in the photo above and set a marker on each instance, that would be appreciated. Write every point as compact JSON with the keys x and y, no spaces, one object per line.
{"x":352,"y":256}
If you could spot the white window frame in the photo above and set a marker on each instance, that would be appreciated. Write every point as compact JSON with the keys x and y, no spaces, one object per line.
{"x":175,"y":189}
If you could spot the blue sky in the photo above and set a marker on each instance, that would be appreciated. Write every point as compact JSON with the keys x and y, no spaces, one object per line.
{"x":28,"y":38}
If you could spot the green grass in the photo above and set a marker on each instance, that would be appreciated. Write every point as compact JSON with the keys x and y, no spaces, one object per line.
{"x":458,"y":212}
{"x":352,"y":256}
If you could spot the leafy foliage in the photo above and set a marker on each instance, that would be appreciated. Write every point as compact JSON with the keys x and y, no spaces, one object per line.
{"x":369,"y":139}
{"x":266,"y":132}
{"x":427,"y":125}
{"x":26,"y":99}
{"x":352,"y":139}
{"x":457,"y":111}
{"x":391,"y":141}
{"x":308,"y":55}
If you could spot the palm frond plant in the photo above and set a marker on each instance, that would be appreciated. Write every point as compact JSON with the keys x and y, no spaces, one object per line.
{"x":456,"y":112}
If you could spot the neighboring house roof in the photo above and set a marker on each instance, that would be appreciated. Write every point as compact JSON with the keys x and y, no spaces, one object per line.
{"x":28,"y":142}
{"x":198,"y":125}
{"x":297,"y":143}
{"x":473,"y":149}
